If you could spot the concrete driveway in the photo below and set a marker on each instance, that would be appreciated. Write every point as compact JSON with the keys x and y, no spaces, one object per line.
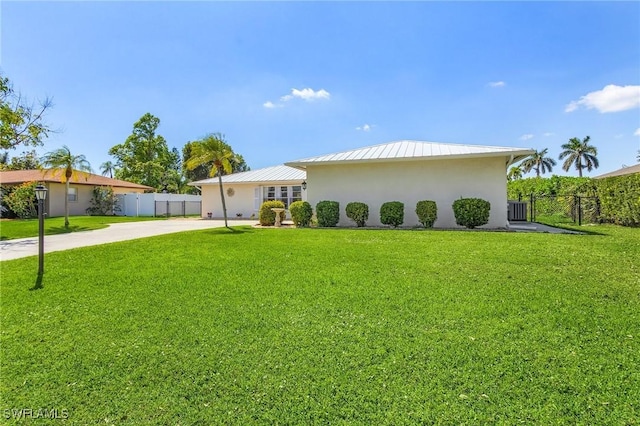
{"x":23,"y":247}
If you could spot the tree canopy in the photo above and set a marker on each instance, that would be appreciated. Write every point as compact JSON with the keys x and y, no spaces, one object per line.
{"x":145,"y":158}
{"x":21,"y":122}
{"x":538,"y":161}
{"x":579,"y":153}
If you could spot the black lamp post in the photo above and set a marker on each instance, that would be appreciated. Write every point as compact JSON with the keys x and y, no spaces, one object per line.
{"x":41,"y":195}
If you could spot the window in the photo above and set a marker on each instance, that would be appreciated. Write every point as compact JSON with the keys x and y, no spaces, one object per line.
{"x":286,"y":194}
{"x":72,"y":195}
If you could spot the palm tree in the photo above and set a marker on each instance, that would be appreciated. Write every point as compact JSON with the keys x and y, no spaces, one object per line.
{"x":213,"y":149}
{"x":638,"y":156}
{"x":580,"y":153}
{"x":539,"y":162}
{"x":108,"y":168}
{"x":515,"y":173}
{"x":69,"y":167}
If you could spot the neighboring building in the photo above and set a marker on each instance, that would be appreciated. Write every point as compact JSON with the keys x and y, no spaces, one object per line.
{"x":410,"y":171}
{"x":80,"y":190}
{"x":246,"y":191}
{"x":621,"y":172}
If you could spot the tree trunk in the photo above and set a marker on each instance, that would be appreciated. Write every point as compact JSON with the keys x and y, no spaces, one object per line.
{"x":66,"y":204}
{"x":224,"y":205}
{"x":579,"y":167}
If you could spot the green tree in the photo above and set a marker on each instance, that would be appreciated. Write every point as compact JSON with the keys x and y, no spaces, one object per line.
{"x":108,"y":169}
{"x":539,"y":162}
{"x":21,"y":122}
{"x":515,"y":173}
{"x":213,"y":149}
{"x":580,"y":153}
{"x":144,"y":157}
{"x":69,"y":167}
{"x":203,"y":171}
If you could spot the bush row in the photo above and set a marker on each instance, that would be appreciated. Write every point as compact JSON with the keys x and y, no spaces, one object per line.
{"x":469,"y":212}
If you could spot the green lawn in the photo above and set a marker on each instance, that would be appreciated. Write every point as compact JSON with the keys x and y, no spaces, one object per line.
{"x":329,"y":327}
{"x":23,"y":228}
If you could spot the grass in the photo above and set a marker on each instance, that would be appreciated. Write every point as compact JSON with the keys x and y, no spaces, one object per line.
{"x":24,"y":228}
{"x":329,"y":326}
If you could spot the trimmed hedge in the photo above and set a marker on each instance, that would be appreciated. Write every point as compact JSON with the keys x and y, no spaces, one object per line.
{"x":358,"y":212}
{"x":328,"y":213}
{"x":392,"y":213}
{"x":427,"y":212}
{"x":268,"y":217}
{"x":620,"y":199}
{"x":301,"y":213}
{"x":471,"y":212}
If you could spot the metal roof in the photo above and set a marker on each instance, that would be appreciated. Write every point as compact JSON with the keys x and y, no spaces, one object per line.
{"x":280,"y":173}
{"x":629,"y":170}
{"x":412,"y":150}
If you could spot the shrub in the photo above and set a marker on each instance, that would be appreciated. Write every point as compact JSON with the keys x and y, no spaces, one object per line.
{"x":328,"y":213}
{"x":103,"y":202}
{"x":268,"y":217}
{"x":471,"y":212}
{"x":620,"y":199}
{"x":427,"y":212}
{"x":358,"y":212}
{"x":301,"y":213}
{"x":392,"y":213}
{"x":22,"y":200}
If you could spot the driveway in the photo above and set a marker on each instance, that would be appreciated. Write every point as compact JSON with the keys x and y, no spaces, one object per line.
{"x":23,"y":247}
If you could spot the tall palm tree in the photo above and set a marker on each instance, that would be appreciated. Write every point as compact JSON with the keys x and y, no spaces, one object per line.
{"x":69,"y":167}
{"x":539,"y":162}
{"x":515,"y":173}
{"x":580,"y":153}
{"x":213,"y":149}
{"x":108,"y":168}
{"x":638,"y":156}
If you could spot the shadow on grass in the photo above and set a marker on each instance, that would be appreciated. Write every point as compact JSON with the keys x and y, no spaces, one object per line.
{"x":572,"y":227}
{"x":55,"y":230}
{"x":236,"y":230}
{"x":38,"y":284}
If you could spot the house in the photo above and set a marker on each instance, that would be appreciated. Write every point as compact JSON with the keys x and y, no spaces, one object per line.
{"x":246,"y":191}
{"x":80,"y":190}
{"x":621,"y":172}
{"x":410,"y":171}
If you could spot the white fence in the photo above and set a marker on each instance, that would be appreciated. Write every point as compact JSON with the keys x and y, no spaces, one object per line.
{"x":145,"y":204}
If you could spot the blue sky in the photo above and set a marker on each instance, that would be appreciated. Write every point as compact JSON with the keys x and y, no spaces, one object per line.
{"x":288,"y":80}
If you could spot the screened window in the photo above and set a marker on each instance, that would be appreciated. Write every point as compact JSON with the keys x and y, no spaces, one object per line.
{"x":72,"y":195}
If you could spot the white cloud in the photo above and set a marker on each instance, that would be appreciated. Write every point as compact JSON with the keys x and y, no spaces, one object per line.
{"x":637,"y":132}
{"x":497,"y":84}
{"x":526,"y":137}
{"x":365,"y":127}
{"x":547,"y":134}
{"x":270,"y":104}
{"x":610,"y":99}
{"x":307,"y":94}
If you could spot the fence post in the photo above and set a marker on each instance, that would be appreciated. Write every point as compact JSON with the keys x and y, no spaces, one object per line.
{"x":579,"y":210}
{"x":532,"y":216}
{"x":167,"y":208}
{"x":184,"y":208}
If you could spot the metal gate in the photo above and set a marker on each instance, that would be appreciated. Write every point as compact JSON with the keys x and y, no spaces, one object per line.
{"x":564,"y":208}
{"x":177,"y":208}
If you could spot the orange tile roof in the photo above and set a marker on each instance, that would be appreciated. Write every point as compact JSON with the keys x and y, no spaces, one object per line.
{"x":19,"y":176}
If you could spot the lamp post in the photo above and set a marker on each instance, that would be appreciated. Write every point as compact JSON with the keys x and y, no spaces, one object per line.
{"x":41,"y":195}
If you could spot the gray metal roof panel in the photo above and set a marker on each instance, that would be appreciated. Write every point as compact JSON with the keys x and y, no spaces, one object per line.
{"x":280,"y":173}
{"x":410,"y":150}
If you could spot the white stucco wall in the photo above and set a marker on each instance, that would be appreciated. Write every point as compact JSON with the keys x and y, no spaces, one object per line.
{"x":443,"y":181}
{"x":242,"y":201}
